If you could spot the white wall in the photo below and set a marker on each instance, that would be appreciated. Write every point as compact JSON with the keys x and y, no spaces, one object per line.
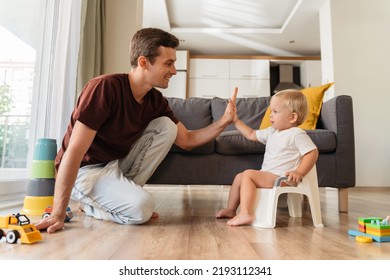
{"x":355,"y":41}
{"x":123,"y":19}
{"x":326,"y":49}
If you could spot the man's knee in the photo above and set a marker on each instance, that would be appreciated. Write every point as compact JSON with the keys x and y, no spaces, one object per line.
{"x":141,"y":210}
{"x":165,"y":128}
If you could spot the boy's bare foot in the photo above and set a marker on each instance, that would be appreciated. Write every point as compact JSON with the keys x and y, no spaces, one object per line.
{"x":241,"y":219}
{"x":225,"y":213}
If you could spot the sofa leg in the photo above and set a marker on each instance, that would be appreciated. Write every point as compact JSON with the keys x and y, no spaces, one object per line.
{"x":343,"y":200}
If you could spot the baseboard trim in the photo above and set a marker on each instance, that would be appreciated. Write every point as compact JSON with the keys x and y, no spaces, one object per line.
{"x":12,"y":193}
{"x":371,"y":188}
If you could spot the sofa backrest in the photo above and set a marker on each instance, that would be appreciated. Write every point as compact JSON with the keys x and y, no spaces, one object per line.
{"x":198,"y":112}
{"x":250,"y":110}
{"x":194,"y":113}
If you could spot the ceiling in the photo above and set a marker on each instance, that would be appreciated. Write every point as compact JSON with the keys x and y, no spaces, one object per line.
{"x":239,"y":27}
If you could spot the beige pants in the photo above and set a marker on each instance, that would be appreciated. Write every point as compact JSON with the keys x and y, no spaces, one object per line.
{"x":113,"y":191}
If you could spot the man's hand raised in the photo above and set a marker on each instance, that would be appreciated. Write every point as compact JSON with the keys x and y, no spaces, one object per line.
{"x":231,"y":113}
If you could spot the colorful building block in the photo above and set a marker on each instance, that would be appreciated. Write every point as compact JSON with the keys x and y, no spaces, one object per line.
{"x":373,"y":227}
{"x":40,"y":188}
{"x":378,"y":229}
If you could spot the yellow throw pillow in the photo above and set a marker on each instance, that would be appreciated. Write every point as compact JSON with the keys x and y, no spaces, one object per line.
{"x":266,"y":121}
{"x":314,"y":96}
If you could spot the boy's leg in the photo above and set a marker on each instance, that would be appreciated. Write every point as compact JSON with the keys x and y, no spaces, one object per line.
{"x":148,"y":152}
{"x":233,"y":200}
{"x":250,"y":180}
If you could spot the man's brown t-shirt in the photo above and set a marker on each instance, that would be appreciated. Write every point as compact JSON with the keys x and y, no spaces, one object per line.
{"x":106,"y":105}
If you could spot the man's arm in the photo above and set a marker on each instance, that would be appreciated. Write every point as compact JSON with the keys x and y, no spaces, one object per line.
{"x":80,"y":141}
{"x":189,"y":139}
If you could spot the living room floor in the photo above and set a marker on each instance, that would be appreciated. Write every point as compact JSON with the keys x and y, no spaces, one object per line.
{"x":188,"y":230}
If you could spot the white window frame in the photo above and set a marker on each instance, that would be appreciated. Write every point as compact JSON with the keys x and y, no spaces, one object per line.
{"x":54,"y":87}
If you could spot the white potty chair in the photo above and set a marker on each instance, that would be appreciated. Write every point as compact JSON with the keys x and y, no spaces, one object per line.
{"x":267,"y":201}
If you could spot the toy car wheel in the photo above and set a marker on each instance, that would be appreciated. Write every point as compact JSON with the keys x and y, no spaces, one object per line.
{"x":12,"y":236}
{"x":1,"y":233}
{"x":69,"y":216}
{"x":45,"y":215}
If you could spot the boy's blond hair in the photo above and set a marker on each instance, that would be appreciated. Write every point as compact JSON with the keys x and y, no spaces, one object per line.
{"x":294,"y":101}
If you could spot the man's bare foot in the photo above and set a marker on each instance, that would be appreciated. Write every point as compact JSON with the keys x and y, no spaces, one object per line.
{"x":241,"y":219}
{"x":225,"y":213}
{"x":155,"y":215}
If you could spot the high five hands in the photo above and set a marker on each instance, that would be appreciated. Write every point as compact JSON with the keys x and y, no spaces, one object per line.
{"x":231,"y":111}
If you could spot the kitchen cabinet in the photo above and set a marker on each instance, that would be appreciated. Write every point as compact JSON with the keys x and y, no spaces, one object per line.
{"x":251,"y":76}
{"x":250,"y":87}
{"x":218,"y":77}
{"x":209,"y":78}
{"x":249,"y":69}
{"x":209,"y":88}
{"x":209,"y":68}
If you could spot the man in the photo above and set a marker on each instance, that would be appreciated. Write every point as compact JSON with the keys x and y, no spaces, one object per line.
{"x":120,"y":131}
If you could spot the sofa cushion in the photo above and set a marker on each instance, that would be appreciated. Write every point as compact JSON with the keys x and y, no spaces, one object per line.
{"x":325,"y":140}
{"x":194,"y":113}
{"x":234,"y":143}
{"x":314,"y":96}
{"x":249,"y":110}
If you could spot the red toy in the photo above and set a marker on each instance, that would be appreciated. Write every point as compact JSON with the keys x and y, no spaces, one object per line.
{"x":68,"y":217}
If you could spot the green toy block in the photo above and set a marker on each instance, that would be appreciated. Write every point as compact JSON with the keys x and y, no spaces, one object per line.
{"x":369,"y":219}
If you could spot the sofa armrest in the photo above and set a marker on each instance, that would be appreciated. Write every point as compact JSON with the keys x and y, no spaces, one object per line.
{"x":337,"y":116}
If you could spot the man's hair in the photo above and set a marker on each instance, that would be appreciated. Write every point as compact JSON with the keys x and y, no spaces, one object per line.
{"x":295,"y":101}
{"x":146,"y":42}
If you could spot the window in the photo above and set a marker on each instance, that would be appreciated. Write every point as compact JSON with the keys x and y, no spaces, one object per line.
{"x":20,"y":35}
{"x":38,"y":65}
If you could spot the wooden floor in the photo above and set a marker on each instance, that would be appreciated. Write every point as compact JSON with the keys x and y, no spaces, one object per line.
{"x":187,"y":230}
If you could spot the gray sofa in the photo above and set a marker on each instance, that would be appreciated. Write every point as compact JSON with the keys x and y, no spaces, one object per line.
{"x":217,"y":162}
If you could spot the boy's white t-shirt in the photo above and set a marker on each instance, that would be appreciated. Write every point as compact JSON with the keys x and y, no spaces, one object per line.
{"x":284,"y":149}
